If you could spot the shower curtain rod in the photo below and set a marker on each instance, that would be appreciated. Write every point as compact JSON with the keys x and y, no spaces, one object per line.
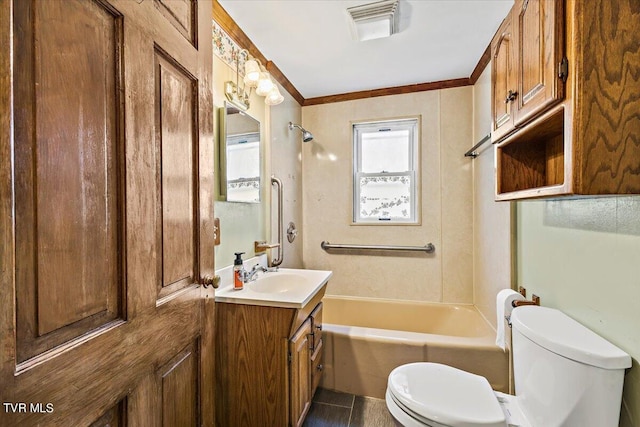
{"x":472,"y":152}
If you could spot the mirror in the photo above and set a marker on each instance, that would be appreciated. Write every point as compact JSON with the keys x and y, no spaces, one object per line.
{"x":239,"y":156}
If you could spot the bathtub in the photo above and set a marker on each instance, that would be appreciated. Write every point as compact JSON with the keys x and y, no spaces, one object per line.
{"x":365,"y":338}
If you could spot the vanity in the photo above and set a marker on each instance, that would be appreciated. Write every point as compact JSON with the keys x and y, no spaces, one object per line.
{"x":269,"y":348}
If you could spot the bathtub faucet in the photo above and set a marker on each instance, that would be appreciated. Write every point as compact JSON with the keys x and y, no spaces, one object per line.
{"x":250,"y":276}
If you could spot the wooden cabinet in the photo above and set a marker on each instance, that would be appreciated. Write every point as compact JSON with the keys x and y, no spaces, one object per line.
{"x":503,"y":80}
{"x":539,"y":49}
{"x":578,"y":140}
{"x":268,"y":361}
{"x":316,"y":354}
{"x":305,"y":349}
{"x":300,"y":373}
{"x":527,"y":54}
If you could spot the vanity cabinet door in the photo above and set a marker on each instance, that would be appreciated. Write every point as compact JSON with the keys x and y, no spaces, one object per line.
{"x":316,"y":327}
{"x":316,"y":368}
{"x":539,"y":25}
{"x":503,"y":78}
{"x":316,"y":353}
{"x":300,"y":373}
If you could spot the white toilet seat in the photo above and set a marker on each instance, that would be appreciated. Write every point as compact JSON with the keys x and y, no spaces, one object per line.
{"x":405,"y":416}
{"x":438,"y":395}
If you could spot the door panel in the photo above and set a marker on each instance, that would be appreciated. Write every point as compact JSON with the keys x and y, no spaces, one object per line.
{"x":503,"y":81}
{"x":176,"y":140}
{"x":68,"y":163}
{"x":114,"y":417}
{"x":540,"y":29}
{"x":532,"y":45}
{"x":98,"y":208}
{"x":180,"y":389}
{"x":182,"y":15}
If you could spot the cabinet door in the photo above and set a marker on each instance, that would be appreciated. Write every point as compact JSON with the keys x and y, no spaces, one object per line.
{"x":300,"y":373}
{"x":539,"y":25}
{"x":316,"y":327}
{"x":503,"y":81}
{"x":106,"y":232}
{"x":316,"y":368}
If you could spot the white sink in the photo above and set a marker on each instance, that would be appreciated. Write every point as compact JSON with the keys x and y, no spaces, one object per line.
{"x":277,"y":282}
{"x":283,"y":288}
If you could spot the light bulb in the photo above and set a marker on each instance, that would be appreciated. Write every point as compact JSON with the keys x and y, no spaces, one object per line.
{"x":251,"y":73}
{"x":265,"y":84}
{"x":274,"y":97}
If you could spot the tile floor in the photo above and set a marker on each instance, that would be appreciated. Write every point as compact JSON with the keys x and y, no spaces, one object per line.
{"x":335,"y":409}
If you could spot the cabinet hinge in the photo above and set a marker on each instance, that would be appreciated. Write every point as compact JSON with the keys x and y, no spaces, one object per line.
{"x":563,"y":69}
{"x":289,"y":357}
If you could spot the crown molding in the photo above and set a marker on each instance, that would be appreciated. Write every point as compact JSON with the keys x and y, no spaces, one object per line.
{"x":397,"y":90}
{"x":284,"y":81}
{"x":481,"y":65}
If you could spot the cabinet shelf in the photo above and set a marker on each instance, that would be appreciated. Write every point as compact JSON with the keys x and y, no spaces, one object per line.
{"x":531,"y":163}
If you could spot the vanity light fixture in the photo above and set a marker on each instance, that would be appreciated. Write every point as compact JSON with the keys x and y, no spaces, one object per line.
{"x":255,"y":76}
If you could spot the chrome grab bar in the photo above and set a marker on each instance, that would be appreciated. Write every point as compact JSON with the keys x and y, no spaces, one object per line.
{"x":277,"y":261}
{"x":428,"y":248}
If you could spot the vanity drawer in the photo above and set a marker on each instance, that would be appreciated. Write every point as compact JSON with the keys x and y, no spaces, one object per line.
{"x":316,"y":327}
{"x":316,"y":367}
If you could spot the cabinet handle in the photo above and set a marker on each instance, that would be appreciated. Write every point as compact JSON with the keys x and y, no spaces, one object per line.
{"x":319,"y":327}
{"x":209,"y":280}
{"x":511,"y":96}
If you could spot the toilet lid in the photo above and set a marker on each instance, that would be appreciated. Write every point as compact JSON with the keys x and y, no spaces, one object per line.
{"x":446,"y":395}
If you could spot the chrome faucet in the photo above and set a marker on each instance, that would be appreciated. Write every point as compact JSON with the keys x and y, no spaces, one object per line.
{"x":250,"y":276}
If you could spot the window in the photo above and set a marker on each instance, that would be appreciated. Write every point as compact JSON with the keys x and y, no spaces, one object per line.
{"x":385,"y":172}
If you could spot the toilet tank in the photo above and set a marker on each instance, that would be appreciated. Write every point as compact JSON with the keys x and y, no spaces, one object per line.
{"x":565,"y":374}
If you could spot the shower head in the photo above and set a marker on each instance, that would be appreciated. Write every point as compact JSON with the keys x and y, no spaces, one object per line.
{"x":306,"y":135}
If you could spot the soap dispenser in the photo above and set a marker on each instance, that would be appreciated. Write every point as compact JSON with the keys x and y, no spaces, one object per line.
{"x":238,"y":271}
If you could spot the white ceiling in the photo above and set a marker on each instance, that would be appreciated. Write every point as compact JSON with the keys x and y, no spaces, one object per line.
{"x":310,"y":41}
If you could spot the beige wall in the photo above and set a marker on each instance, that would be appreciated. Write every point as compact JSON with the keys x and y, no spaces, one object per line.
{"x":446,"y":191}
{"x":491,"y":219}
{"x":286,"y":164}
{"x":583,"y":257}
{"x":244,"y":223}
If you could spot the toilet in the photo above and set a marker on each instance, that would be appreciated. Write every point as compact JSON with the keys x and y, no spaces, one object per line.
{"x":565,"y":375}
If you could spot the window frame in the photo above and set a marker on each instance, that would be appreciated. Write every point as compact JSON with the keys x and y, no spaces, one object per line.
{"x":413,"y":124}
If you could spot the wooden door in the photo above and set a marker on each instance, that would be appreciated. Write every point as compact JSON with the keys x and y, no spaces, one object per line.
{"x":503,"y":81}
{"x":540,"y":49}
{"x":106,"y":199}
{"x":300,"y":374}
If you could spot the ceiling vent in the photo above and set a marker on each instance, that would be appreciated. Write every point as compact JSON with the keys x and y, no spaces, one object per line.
{"x":374,"y":20}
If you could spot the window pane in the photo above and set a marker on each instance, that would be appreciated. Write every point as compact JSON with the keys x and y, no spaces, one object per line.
{"x":386,"y":197}
{"x":385,"y":151}
{"x":384,"y":172}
